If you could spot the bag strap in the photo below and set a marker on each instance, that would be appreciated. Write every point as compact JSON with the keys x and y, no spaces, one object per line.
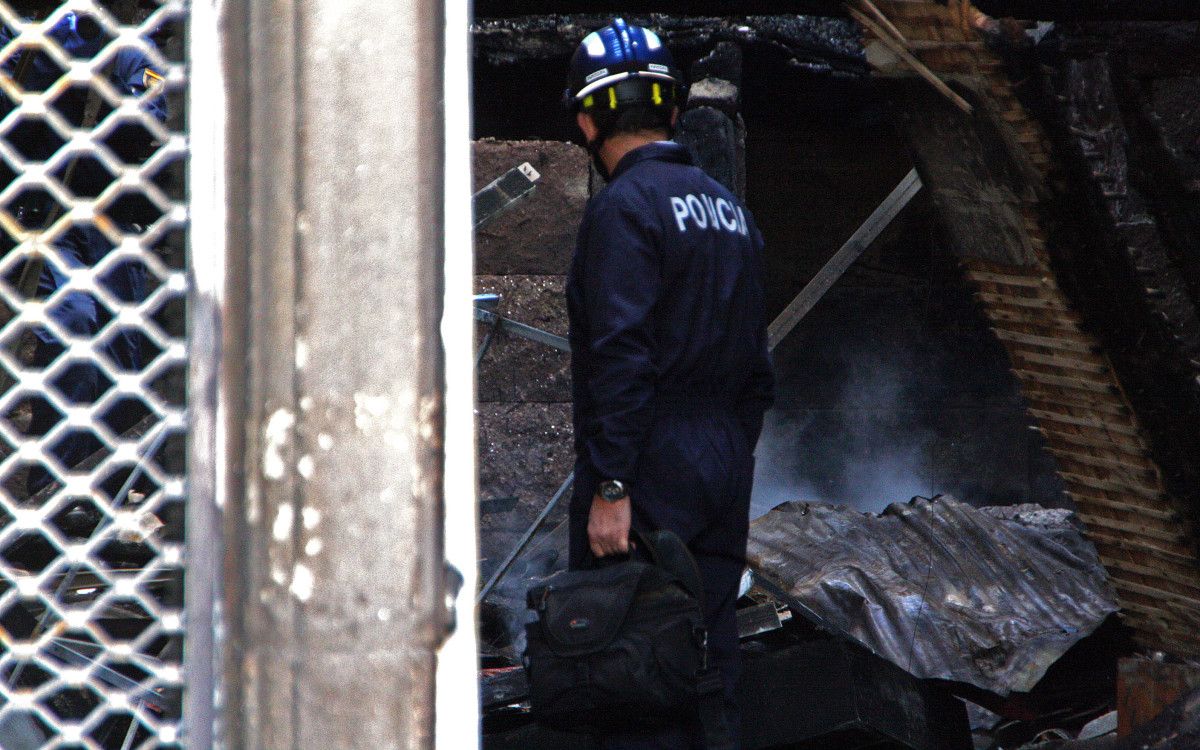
{"x":711,"y":705}
{"x":710,"y":702}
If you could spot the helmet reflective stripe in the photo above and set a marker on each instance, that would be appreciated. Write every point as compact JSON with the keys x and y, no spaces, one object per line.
{"x":594,"y":45}
{"x":652,"y":40}
{"x":616,"y":77}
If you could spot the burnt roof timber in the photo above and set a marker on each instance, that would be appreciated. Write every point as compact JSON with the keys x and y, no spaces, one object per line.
{"x":1044,"y":10}
{"x":816,"y":42}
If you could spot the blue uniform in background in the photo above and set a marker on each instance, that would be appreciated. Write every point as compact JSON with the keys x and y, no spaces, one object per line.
{"x":131,"y":73}
{"x":671,"y":374}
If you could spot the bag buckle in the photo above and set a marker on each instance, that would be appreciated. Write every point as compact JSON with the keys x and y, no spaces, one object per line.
{"x":536,"y":598}
{"x":701,"y":636}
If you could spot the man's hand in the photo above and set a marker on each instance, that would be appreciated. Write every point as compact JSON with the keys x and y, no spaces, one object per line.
{"x":608,"y":527}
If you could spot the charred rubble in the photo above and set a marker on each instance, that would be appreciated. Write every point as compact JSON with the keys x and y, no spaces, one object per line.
{"x":1038,"y":304}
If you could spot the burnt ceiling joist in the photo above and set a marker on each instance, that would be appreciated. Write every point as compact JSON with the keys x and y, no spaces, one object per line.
{"x":1044,"y":10}
{"x":1093,"y":10}
{"x":817,"y":42}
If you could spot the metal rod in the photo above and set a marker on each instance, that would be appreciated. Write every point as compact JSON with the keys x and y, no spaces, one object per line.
{"x":512,"y":556}
{"x":920,"y":67}
{"x":522,"y":330}
{"x":105,"y":522}
{"x":487,"y":343}
{"x":879,"y":16}
{"x":133,"y":725}
{"x":858,"y":243}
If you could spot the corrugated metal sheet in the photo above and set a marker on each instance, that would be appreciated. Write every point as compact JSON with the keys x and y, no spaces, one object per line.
{"x":938,"y":587}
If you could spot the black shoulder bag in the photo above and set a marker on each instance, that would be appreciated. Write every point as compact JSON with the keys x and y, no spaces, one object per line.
{"x":623,"y":646}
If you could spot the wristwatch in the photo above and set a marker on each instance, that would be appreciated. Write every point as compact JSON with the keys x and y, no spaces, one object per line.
{"x":612,"y":490}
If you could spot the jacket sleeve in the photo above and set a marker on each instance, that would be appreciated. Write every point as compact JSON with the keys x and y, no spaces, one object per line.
{"x":759,"y":392}
{"x":621,"y":279}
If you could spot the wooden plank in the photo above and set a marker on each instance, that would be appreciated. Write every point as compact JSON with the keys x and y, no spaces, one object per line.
{"x":1184,"y":609}
{"x":1111,"y":485}
{"x":1058,"y":330}
{"x":1134,"y":508}
{"x":1150,"y":533}
{"x":1084,"y":405}
{"x":1160,"y":593}
{"x":1183,"y":569}
{"x":1062,"y":344}
{"x":1142,"y":466}
{"x":1164,"y":621}
{"x":1178,"y":555}
{"x":1098,"y":403}
{"x":1024,"y":317}
{"x":1094,"y":367}
{"x":1129,"y":444}
{"x":1126,"y":566}
{"x":921,"y":45}
{"x":1075,"y":383}
{"x":1037,"y":303}
{"x":1092,"y":422}
{"x":1008,"y":279}
{"x":1150,"y":639}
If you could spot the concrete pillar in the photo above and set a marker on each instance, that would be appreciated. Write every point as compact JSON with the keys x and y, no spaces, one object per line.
{"x":331,"y":375}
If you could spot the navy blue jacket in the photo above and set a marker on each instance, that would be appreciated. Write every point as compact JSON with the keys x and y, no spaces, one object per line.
{"x":131,"y":72}
{"x":665,"y":297}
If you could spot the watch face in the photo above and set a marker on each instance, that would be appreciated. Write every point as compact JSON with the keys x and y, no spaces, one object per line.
{"x":612,"y":490}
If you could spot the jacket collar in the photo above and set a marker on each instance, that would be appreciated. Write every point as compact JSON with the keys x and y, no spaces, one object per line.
{"x":668,"y":151}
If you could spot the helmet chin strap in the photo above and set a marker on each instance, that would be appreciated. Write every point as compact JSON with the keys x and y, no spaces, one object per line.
{"x":595,"y":144}
{"x":593,"y":147}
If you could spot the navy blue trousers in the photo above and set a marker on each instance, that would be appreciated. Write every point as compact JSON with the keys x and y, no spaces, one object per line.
{"x":693,"y":478}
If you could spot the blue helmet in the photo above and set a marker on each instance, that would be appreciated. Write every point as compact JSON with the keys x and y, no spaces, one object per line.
{"x":620,"y":65}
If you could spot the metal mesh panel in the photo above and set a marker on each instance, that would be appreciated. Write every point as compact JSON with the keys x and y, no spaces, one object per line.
{"x":92,"y":359}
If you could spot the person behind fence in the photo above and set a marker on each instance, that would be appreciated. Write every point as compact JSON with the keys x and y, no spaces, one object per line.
{"x":670,"y":368}
{"x":131,"y":73}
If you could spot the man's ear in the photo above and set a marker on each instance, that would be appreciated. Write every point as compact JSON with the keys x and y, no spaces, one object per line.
{"x":674,"y":115}
{"x":587,"y":125}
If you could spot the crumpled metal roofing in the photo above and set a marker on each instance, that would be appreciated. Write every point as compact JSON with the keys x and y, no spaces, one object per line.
{"x":938,"y":587}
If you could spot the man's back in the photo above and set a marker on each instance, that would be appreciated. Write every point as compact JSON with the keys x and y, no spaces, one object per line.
{"x":666,"y":299}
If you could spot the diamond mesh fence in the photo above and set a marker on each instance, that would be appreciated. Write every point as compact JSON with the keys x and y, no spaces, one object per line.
{"x":92,"y":364}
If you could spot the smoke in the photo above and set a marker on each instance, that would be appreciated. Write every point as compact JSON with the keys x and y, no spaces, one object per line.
{"x":867,"y":449}
{"x":885,"y":395}
{"x":504,"y":615}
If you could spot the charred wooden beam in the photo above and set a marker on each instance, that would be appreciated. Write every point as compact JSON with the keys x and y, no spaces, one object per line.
{"x":1078,"y":10}
{"x":814,"y":42}
{"x":1045,"y":10}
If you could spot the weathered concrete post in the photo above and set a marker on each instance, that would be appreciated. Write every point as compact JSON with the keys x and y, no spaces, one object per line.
{"x":332,"y":601}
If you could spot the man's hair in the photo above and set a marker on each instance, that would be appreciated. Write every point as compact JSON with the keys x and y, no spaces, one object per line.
{"x":634,"y":118}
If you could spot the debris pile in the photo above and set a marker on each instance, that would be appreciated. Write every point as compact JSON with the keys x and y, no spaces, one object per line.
{"x":908,"y":614}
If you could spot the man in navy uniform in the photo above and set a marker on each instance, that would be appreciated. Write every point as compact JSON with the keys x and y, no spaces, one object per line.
{"x":669,"y":361}
{"x":131,"y":73}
